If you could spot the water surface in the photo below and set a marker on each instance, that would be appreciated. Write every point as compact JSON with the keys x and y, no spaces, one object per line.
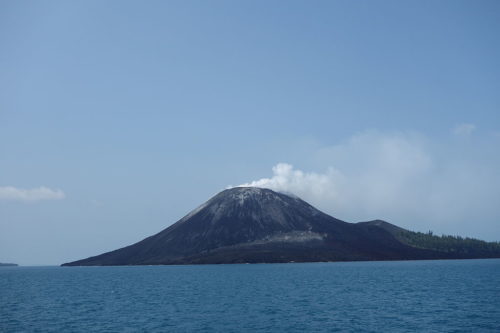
{"x":439,"y":296}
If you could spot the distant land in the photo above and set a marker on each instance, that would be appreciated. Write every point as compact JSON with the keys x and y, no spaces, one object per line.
{"x":256,"y":225}
{"x":7,"y":264}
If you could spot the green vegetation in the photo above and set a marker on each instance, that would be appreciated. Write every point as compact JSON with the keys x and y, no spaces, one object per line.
{"x":449,"y":244}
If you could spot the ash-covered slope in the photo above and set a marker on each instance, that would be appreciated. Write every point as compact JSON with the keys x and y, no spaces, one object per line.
{"x":248,"y":224}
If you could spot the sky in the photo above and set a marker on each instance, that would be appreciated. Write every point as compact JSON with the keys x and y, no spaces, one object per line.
{"x":119,"y":117}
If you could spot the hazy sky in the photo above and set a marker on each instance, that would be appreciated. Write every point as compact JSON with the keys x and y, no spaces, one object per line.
{"x":119,"y":117}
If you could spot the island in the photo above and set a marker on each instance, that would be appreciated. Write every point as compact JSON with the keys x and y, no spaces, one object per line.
{"x":8,"y":265}
{"x":257,"y":225}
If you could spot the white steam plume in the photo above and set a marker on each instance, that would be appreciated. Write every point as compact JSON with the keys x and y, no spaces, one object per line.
{"x":449,"y":187}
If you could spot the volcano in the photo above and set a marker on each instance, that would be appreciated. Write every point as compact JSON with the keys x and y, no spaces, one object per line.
{"x":256,"y":225}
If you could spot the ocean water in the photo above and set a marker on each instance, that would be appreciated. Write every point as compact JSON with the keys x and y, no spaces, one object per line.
{"x":425,"y":296}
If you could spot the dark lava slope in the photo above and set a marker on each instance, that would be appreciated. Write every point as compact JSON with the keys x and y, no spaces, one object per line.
{"x":252,"y":225}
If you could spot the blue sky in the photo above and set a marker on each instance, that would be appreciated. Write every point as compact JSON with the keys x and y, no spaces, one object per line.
{"x":129,"y":114}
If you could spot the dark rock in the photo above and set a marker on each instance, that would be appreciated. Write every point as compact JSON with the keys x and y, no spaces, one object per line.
{"x":254,"y":225}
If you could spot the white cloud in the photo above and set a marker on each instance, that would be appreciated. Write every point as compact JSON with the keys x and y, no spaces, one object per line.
{"x":404,"y":178}
{"x":10,"y":193}
{"x":464,"y":129}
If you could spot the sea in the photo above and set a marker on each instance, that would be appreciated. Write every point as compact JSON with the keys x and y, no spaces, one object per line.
{"x":397,"y":296}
